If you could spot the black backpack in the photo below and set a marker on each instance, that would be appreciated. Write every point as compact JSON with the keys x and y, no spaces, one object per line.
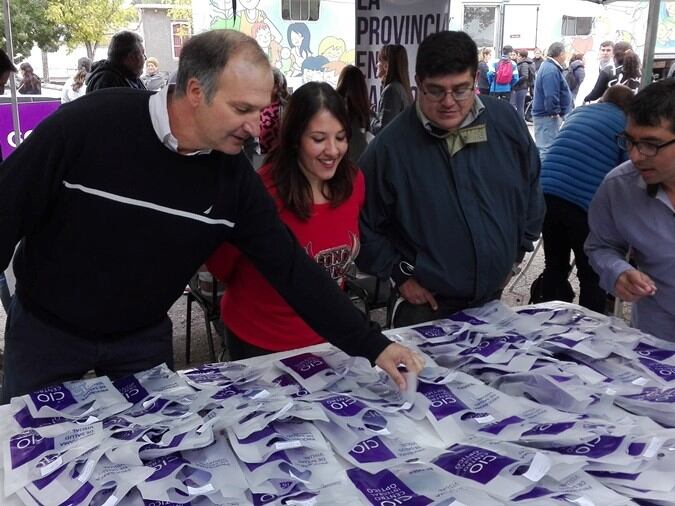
{"x":570,"y":78}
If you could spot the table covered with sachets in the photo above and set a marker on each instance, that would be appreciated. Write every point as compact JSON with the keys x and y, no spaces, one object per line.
{"x":538,"y":405}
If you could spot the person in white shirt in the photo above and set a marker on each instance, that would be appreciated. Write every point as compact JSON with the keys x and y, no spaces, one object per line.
{"x":74,"y":87}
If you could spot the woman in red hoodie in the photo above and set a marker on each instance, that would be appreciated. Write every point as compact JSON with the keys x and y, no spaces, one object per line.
{"x":319,"y":194}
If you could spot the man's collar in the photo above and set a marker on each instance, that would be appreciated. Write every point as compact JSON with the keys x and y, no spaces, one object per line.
{"x":551,"y":59}
{"x":656,"y":191}
{"x":159,"y":115}
{"x":441,"y":133}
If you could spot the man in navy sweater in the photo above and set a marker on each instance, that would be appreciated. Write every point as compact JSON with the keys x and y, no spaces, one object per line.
{"x":117,"y":198}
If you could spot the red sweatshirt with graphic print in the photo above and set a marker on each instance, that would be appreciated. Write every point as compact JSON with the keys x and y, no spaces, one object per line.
{"x":251,"y":307}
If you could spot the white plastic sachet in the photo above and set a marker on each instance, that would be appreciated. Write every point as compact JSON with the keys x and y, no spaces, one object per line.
{"x":313,"y":371}
{"x":277,"y":436}
{"x":73,"y":400}
{"x":28,"y":456}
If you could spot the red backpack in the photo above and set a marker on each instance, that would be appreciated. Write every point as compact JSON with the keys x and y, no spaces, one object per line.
{"x":504,"y":73}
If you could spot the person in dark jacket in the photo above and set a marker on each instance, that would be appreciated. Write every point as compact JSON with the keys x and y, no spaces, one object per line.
{"x":124,"y":66}
{"x":581,"y":155}
{"x":576,"y":73}
{"x":482,"y":82}
{"x":30,"y":84}
{"x":552,"y":98}
{"x":525,"y":76}
{"x":610,"y":72}
{"x":118,"y":198}
{"x":392,"y":70}
{"x":538,"y":59}
{"x":452,"y":190}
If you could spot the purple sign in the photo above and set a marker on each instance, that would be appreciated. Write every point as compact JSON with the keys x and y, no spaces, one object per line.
{"x":30,"y":115}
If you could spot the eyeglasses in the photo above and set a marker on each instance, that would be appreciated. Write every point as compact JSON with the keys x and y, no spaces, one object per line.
{"x":644,"y":147}
{"x":437,"y":94}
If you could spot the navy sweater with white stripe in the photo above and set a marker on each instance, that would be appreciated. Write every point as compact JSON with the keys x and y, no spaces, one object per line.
{"x":114,"y":224}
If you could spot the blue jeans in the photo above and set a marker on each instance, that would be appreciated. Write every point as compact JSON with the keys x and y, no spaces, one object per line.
{"x":546,"y":129}
{"x":38,"y":354}
{"x":518,"y":101}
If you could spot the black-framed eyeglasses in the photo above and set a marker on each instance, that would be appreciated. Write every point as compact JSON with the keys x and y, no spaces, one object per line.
{"x":437,"y":94}
{"x":645,"y":148}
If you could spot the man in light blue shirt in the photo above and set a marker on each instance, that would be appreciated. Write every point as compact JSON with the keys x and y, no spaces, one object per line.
{"x":634,"y":212}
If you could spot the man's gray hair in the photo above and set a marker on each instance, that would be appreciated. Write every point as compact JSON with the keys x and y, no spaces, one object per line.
{"x":204,"y":57}
{"x":555,"y":49}
{"x":122,"y":45}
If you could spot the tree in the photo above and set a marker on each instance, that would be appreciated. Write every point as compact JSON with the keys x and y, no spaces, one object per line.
{"x":30,"y":26}
{"x":90,"y":22}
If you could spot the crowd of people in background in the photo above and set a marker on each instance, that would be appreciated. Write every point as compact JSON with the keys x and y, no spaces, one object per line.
{"x":344,"y":182}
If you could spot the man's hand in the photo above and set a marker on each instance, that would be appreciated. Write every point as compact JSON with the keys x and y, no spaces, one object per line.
{"x":393,"y":356}
{"x":416,"y":294}
{"x":632,"y":285}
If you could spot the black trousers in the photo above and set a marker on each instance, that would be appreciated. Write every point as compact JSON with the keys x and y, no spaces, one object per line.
{"x":240,"y":349}
{"x":38,"y":354}
{"x":565,"y":229}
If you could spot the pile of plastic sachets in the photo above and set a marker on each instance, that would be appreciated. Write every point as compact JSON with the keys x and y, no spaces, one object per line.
{"x":543,"y":405}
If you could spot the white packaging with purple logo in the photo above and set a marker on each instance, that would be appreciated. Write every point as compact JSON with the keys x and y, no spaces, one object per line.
{"x":657,"y":403}
{"x":152,"y":382}
{"x":415,"y":485}
{"x":507,"y":470}
{"x":221,"y":375}
{"x":176,"y":437}
{"x":28,"y":456}
{"x":106,"y":484}
{"x":374,"y":453}
{"x":265,"y":411}
{"x":296,"y":494}
{"x":74,"y":400}
{"x":611,"y":450}
{"x":212,"y":471}
{"x":278,"y":435}
{"x":315,"y":371}
{"x":579,"y":488}
{"x":313,"y":468}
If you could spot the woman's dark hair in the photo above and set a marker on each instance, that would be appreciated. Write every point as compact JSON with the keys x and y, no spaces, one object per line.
{"x":631,"y":65}
{"x":83,"y":68}
{"x":292,"y":186}
{"x":352,"y":87}
{"x":396,"y":57}
{"x":280,"y":87}
{"x":445,"y":53}
{"x":577,"y":56}
{"x":654,"y":105}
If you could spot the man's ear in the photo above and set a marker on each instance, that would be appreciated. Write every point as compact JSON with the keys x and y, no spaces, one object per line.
{"x":194,"y":91}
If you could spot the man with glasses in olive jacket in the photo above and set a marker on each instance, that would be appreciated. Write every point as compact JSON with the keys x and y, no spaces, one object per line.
{"x":453,"y":199}
{"x":634,"y":211}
